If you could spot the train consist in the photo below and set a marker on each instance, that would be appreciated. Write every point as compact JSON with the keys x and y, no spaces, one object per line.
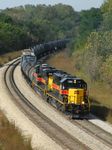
{"x":64,"y":91}
{"x":48,"y":48}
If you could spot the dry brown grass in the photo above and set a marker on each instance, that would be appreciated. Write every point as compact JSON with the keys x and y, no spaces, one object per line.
{"x":9,"y":56}
{"x":10,"y":137}
{"x":100,"y":93}
{"x":61,"y":61}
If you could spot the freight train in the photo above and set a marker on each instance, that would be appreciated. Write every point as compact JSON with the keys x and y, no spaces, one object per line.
{"x":65,"y":92}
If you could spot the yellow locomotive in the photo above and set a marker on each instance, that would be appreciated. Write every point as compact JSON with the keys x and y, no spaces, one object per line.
{"x":67,"y":93}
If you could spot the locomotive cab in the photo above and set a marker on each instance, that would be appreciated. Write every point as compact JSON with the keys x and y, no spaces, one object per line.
{"x":74,"y":91}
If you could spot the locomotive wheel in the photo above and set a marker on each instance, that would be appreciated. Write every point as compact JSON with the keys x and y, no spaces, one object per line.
{"x":58,"y":106}
{"x":48,"y":99}
{"x":63,"y":108}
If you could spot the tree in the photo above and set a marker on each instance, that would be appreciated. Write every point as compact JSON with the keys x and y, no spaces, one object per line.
{"x":89,"y":21}
{"x":106,"y":71}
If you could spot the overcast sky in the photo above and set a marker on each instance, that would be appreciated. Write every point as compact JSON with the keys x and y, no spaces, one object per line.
{"x":76,"y":4}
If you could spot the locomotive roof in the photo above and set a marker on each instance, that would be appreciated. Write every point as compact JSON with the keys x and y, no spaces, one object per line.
{"x":48,"y":69}
{"x":72,"y":78}
{"x":60,"y":73}
{"x":27,"y":52}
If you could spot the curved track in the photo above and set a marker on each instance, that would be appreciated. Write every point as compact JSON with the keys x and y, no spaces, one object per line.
{"x":57,"y":133}
{"x":50,"y":128}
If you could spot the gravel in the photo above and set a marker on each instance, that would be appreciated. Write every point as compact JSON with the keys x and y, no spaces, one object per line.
{"x":39,"y":139}
{"x":56,"y":117}
{"x":104,"y":125}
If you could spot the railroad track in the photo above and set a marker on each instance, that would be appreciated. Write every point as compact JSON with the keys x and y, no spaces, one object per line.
{"x":49,"y":127}
{"x":62,"y":137}
{"x":95,"y":131}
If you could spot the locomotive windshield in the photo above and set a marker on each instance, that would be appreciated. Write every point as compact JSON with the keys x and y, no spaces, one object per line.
{"x":28,"y":58}
{"x":74,"y":84}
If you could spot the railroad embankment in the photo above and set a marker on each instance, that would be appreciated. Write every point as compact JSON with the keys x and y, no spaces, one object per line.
{"x":39,"y":140}
{"x":10,"y":136}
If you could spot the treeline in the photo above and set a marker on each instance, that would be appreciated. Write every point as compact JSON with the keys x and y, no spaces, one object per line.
{"x":22,"y":27}
{"x":89,"y":20}
{"x":92,"y":50}
{"x":12,"y":36}
{"x":91,"y":31}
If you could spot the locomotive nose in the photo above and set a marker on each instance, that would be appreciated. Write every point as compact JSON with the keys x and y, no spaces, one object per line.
{"x":76,"y":96}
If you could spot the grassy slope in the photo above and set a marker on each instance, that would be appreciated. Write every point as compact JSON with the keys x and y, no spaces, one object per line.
{"x":100,"y":94}
{"x":10,"y":137}
{"x":9,"y":56}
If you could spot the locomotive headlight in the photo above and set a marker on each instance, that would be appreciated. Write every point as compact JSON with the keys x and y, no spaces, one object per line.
{"x":83,"y":102}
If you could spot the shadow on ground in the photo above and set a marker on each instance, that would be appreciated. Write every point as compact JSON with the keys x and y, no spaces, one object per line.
{"x":101,"y":111}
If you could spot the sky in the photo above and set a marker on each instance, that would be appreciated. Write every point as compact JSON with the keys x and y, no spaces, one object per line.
{"x":76,"y":4}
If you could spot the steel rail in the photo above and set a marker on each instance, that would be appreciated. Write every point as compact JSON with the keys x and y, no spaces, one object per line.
{"x":87,"y":126}
{"x":58,"y":134}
